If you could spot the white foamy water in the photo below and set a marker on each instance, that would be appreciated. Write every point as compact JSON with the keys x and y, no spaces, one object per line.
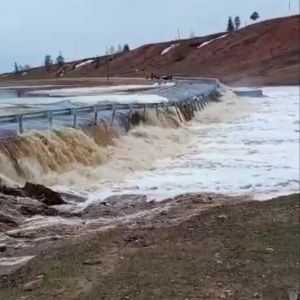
{"x":248,"y":146}
{"x":242,"y":146}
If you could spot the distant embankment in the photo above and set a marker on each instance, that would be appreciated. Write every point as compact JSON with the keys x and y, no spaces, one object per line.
{"x":265,"y":53}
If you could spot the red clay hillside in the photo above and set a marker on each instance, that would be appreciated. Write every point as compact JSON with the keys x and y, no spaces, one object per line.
{"x":266,"y":53}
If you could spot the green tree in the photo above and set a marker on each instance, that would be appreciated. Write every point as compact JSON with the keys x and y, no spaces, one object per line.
{"x":237,"y":22}
{"x":126,"y":48}
{"x":16,"y":68}
{"x":48,"y":62}
{"x":230,"y":26}
{"x":254,"y":16}
{"x":60,"y":61}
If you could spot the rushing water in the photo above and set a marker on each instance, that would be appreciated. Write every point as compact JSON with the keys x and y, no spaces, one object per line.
{"x":254,"y":151}
{"x":243,"y":146}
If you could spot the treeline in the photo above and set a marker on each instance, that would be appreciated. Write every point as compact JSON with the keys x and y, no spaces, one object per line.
{"x":59,"y":61}
{"x":235,"y":24}
{"x":19,"y":68}
{"x":119,"y":49}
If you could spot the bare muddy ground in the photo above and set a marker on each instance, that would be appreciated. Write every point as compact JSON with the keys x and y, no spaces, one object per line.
{"x":191,"y":247}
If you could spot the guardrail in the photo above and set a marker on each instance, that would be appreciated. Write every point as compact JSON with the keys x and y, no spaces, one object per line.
{"x":20,"y":118}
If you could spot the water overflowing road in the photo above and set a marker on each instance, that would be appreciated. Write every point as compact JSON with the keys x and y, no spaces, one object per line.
{"x":85,"y":101}
{"x":247,"y":147}
{"x":242,"y":146}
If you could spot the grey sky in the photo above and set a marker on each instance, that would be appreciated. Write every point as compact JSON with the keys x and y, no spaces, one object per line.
{"x":80,"y":28}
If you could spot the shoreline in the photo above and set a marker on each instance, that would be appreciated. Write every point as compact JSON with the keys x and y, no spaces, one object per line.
{"x":206,"y":232}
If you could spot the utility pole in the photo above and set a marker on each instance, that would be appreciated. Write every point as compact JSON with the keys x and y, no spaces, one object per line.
{"x":289,"y":6}
{"x":107,"y":65}
{"x":178,"y":34}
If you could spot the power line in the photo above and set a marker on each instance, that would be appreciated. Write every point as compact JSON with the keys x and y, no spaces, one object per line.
{"x":178,"y":34}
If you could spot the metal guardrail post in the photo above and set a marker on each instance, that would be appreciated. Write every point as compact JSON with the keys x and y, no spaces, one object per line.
{"x":178,"y":113}
{"x":74,"y":113}
{"x":20,"y":121}
{"x":189,"y":109}
{"x":182,"y":109}
{"x":130,"y":112}
{"x":198,"y":105}
{"x":50,"y":118}
{"x":156,"y":109}
{"x":95,"y":116}
{"x":194,"y":105}
{"x":129,"y":116}
{"x":166,"y":107}
{"x":113,"y":114}
{"x":144,"y":113}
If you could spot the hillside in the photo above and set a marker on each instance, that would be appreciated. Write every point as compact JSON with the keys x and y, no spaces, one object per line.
{"x":266,"y":53}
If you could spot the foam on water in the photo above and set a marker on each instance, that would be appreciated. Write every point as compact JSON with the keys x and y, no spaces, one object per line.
{"x":242,"y":146}
{"x":83,"y":158}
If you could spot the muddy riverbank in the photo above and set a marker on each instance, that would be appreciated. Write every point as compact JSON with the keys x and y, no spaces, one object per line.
{"x":192,"y":247}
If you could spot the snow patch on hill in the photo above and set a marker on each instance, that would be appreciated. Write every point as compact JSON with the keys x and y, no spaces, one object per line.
{"x":210,"y":41}
{"x":168,"y":49}
{"x":84,"y":64}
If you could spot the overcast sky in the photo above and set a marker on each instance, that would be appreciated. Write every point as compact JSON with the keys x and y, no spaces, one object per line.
{"x":30,"y":29}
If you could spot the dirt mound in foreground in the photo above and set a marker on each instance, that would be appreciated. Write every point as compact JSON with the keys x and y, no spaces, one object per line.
{"x":265,"y":53}
{"x":242,"y":250}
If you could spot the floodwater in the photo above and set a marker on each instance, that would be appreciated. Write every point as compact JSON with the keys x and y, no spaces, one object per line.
{"x":254,"y":152}
{"x":242,"y":146}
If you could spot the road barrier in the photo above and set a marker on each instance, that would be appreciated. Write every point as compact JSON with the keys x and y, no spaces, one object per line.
{"x":185,"y":108}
